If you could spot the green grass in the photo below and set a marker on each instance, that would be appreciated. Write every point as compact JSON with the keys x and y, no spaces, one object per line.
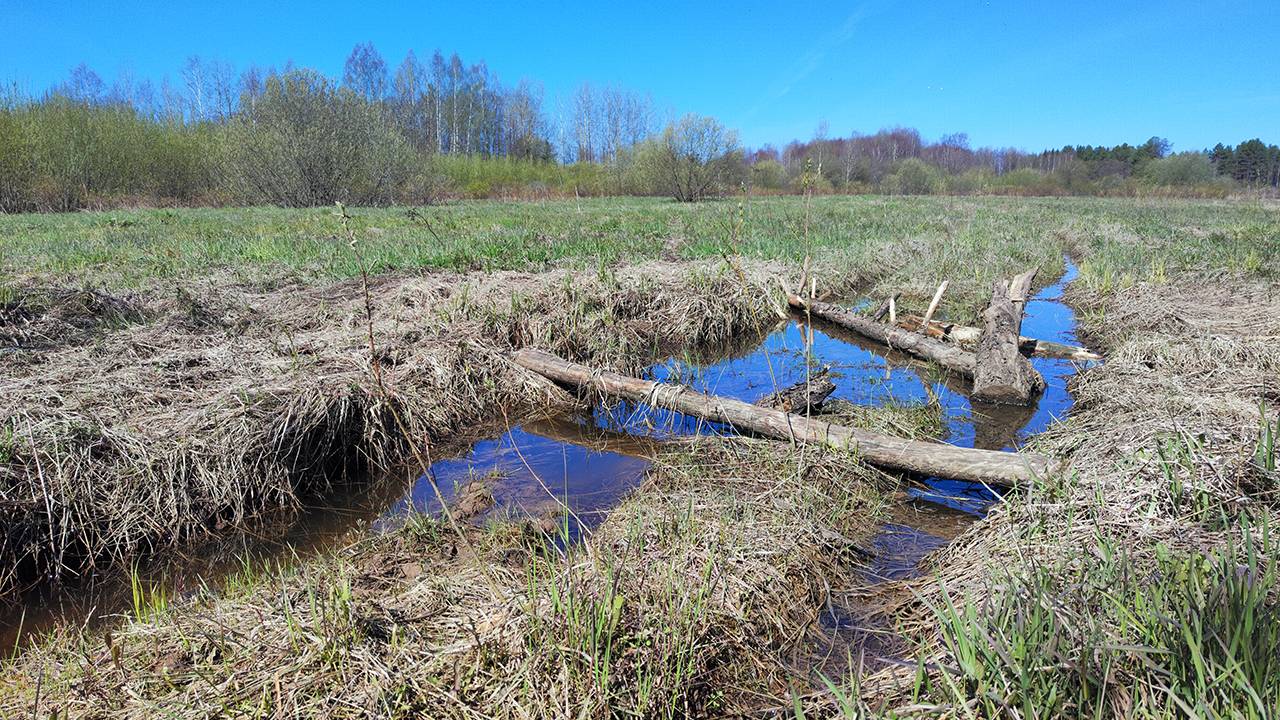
{"x":1196,"y":636}
{"x":1193,"y":627}
{"x":1128,"y":240}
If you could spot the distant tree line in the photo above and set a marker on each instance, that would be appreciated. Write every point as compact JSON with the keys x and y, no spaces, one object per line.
{"x":424,"y":131}
{"x":438,"y":128}
{"x":1252,"y":163}
{"x":898,"y":160}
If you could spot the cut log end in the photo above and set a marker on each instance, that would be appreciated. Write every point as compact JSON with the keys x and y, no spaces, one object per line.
{"x":1001,"y":373}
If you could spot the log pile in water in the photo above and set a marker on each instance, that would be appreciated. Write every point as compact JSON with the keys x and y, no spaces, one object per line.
{"x":924,"y":458}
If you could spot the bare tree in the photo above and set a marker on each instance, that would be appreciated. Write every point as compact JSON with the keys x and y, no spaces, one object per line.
{"x":439,"y":76}
{"x":524,"y":128}
{"x":694,"y":159}
{"x":251,"y":86}
{"x":584,"y":123}
{"x":83,"y":85}
{"x":224,"y":89}
{"x":365,"y":72}
{"x":411,"y":111}
{"x":193,"y":79}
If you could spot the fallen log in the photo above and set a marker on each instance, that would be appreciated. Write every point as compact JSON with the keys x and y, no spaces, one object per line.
{"x":925,"y":458}
{"x":968,"y":337}
{"x":1002,"y":374}
{"x":803,"y":397}
{"x":947,"y":355}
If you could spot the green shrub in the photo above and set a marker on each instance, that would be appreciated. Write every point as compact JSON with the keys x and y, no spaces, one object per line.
{"x":306,"y":142}
{"x":1183,"y":169}
{"x":1025,"y":181}
{"x":694,"y":159}
{"x":913,"y":176}
{"x":768,"y":175}
{"x":969,"y":182}
{"x":17,"y":164}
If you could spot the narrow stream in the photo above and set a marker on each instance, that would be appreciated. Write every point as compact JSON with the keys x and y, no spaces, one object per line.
{"x":586,"y":465}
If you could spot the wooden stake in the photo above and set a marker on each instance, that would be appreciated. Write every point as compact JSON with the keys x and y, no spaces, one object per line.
{"x":933,"y":304}
{"x":885,"y":307}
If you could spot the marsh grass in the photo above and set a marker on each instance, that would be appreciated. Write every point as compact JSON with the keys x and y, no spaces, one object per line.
{"x":1265,"y":451}
{"x":166,"y":430}
{"x":1193,"y":635}
{"x":900,"y":244}
{"x":691,"y":599}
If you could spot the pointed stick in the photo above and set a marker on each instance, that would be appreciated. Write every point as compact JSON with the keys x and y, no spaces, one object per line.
{"x":933,"y":304}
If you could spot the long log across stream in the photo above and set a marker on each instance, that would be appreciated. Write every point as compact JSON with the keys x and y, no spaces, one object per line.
{"x":925,"y":458}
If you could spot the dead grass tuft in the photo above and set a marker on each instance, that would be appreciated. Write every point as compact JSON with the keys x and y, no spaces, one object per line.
{"x":227,"y":401}
{"x":693,"y":597}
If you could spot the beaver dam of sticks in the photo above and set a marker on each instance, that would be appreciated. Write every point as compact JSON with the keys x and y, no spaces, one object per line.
{"x":757,"y":522}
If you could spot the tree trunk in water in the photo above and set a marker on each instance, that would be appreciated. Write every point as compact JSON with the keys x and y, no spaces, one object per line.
{"x":1002,"y":374}
{"x":948,"y":356}
{"x":802,"y":398}
{"x":924,"y":458}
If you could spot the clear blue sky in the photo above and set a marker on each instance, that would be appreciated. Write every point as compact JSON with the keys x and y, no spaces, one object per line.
{"x":1026,"y":74}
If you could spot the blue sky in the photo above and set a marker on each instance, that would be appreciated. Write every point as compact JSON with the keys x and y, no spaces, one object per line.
{"x":1023,"y":74}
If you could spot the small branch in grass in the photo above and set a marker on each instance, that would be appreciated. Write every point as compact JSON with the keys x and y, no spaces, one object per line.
{"x":423,"y":455}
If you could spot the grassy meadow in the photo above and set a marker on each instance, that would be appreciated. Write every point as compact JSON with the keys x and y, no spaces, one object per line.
{"x":1126,"y":239}
{"x":187,"y":369}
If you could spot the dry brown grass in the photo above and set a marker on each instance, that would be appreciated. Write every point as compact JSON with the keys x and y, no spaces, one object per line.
{"x":218,"y":401}
{"x":698,"y":595}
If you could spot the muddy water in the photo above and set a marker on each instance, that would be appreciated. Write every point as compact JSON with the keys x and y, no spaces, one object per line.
{"x":576,"y":469}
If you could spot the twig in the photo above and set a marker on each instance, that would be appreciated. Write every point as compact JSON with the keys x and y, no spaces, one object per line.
{"x":423,"y":456}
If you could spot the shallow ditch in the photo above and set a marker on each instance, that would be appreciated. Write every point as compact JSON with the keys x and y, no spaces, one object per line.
{"x":576,"y":469}
{"x":586,"y":465}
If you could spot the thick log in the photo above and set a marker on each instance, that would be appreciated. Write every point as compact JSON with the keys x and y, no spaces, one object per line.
{"x":803,"y":397}
{"x":968,"y":337}
{"x":949,"y":356}
{"x":925,"y":458}
{"x":1002,"y":374}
